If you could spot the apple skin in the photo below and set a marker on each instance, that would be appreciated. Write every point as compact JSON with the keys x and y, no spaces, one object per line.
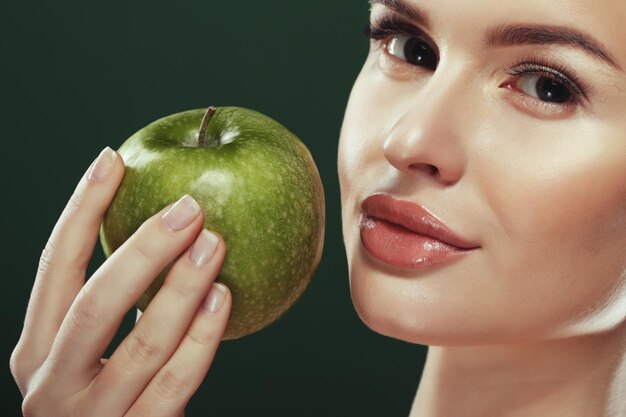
{"x":259,"y":189}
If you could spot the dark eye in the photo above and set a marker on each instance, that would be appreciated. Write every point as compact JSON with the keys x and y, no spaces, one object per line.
{"x":413,"y":50}
{"x":545,"y":88}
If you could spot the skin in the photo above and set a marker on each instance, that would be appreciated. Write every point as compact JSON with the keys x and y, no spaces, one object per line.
{"x":529,"y":324}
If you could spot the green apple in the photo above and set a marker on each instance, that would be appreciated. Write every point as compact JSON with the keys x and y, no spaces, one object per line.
{"x":259,"y":189}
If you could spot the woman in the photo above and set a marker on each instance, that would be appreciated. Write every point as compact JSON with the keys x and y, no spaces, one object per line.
{"x":481,"y":162}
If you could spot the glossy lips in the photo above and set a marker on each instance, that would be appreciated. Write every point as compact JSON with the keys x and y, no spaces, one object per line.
{"x":404,"y":234}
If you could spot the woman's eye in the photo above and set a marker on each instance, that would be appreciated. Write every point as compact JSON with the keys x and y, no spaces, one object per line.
{"x":412,"y":50}
{"x":545,"y":88}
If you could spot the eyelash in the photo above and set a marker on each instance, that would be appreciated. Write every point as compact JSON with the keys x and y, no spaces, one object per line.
{"x":550,"y":69}
{"x":390,"y":25}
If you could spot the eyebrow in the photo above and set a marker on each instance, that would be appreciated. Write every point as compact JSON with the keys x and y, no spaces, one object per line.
{"x":545,"y":35}
{"x":510,"y":35}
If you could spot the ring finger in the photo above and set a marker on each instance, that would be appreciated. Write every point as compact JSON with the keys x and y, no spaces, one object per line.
{"x":162,"y":326}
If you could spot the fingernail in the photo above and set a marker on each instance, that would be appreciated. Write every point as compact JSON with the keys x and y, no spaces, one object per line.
{"x":103,"y":166}
{"x":214,"y":300}
{"x":203,"y":248}
{"x":181,"y":214}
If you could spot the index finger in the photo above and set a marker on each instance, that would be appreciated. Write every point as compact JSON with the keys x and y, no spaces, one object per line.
{"x":64,"y":260}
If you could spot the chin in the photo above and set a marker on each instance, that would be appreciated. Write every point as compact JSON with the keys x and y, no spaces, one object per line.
{"x":383,"y":318}
{"x":400,"y":307}
{"x":427,"y":309}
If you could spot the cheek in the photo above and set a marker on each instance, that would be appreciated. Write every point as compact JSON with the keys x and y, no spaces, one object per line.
{"x":357,"y":143}
{"x":350,"y":160}
{"x":360,"y":156}
{"x":375,"y":105}
{"x":561,"y":207}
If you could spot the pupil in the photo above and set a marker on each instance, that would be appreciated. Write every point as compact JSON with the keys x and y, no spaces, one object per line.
{"x":552,"y":91}
{"x":419,"y":52}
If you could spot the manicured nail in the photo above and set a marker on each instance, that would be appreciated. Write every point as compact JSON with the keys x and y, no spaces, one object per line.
{"x":181,"y":214}
{"x":214,"y":300}
{"x":103,"y":166}
{"x":203,"y":248}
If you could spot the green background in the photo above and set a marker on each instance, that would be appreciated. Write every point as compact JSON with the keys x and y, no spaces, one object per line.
{"x":79,"y":76}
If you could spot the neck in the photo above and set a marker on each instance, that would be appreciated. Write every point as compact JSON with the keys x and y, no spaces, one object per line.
{"x":576,"y":377}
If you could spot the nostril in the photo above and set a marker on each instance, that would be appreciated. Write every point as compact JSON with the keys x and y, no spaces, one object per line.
{"x":426,"y":168}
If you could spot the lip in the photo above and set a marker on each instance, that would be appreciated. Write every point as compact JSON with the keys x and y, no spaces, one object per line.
{"x":405,"y":234}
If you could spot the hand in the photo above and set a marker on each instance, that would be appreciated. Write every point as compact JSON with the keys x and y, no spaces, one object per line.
{"x":156,"y":369}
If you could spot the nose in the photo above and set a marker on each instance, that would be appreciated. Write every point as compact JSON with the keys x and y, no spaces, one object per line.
{"x":427,"y":138}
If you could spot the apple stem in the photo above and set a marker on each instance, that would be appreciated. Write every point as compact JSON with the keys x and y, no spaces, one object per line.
{"x":203,"y":127}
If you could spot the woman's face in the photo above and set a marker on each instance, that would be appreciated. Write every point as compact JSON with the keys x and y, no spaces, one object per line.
{"x":506,"y":121}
